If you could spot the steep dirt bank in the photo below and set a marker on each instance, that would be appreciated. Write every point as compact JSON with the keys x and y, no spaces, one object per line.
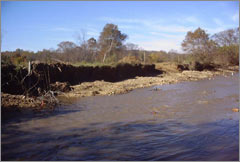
{"x":101,"y":87}
{"x":18,"y":81}
{"x":37,"y":89}
{"x":108,"y":88}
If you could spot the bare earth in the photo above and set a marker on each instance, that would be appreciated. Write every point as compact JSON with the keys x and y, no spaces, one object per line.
{"x":109,"y":88}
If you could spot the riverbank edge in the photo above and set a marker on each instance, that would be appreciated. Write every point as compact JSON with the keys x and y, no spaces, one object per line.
{"x":20,"y":103}
{"x":112,"y":88}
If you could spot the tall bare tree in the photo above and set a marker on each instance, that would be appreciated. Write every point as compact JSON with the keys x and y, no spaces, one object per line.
{"x":68,"y":50}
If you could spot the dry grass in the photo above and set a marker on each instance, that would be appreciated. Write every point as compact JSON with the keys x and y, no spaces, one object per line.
{"x":169,"y":67}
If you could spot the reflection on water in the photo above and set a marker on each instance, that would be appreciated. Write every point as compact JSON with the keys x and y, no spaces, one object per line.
{"x":186,"y":121}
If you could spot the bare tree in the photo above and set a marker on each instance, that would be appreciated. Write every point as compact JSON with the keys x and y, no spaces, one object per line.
{"x":131,"y":46}
{"x":67,"y":48}
{"x":227,"y":37}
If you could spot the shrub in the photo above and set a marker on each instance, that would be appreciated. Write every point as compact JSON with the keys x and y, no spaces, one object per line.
{"x":130,"y":60}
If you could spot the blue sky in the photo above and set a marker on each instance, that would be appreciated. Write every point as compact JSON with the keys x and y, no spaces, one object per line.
{"x":153,"y":25}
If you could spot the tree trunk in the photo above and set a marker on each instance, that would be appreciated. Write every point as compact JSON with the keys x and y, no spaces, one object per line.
{"x":105,"y":54}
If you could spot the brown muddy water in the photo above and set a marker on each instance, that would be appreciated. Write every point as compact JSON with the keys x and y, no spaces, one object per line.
{"x":184,"y":121}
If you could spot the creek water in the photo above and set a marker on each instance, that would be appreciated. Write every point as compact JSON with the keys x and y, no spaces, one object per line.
{"x":184,"y":121}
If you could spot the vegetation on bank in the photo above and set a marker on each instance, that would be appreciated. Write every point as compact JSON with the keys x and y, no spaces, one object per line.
{"x":105,"y":61}
{"x":200,"y":48}
{"x":110,"y":59}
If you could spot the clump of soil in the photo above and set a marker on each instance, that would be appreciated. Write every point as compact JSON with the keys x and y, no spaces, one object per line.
{"x":9,"y":101}
{"x":15,"y":105}
{"x":182,"y":67}
{"x":62,"y":87}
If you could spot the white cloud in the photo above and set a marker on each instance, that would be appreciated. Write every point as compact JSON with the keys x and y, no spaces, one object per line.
{"x":220,"y":26}
{"x":214,"y":30}
{"x":61,"y":39}
{"x":126,"y":20}
{"x":235,"y":17}
{"x":157,"y":45}
{"x":62,"y":29}
{"x":157,"y":34}
{"x":218,"y":22}
{"x":157,"y":41}
{"x":171,"y":36}
{"x":92,"y":34}
{"x":192,"y":19}
{"x":157,"y":25}
{"x":126,"y":27}
{"x":160,"y":35}
{"x":137,"y":36}
{"x":171,"y":28}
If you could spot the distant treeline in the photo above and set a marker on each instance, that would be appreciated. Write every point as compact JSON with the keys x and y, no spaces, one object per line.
{"x":221,"y":48}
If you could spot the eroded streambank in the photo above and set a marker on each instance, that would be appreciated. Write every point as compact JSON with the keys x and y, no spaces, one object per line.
{"x":20,"y":102}
{"x":111,"y":88}
{"x":182,"y":121}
